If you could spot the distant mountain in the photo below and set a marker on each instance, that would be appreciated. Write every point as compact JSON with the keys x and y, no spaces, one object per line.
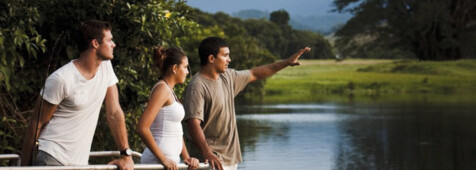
{"x":295,"y":8}
{"x":323,"y":24}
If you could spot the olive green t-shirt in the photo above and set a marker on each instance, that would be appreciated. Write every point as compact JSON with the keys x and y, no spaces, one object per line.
{"x":212,"y":102}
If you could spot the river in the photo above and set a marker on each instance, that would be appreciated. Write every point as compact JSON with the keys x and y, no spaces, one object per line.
{"x":353,"y":135}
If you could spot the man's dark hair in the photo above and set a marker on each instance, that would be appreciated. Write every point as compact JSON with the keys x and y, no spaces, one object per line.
{"x":210,"y":46}
{"x":92,"y":29}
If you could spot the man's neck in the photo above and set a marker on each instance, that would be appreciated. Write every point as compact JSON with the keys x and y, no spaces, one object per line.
{"x":87,"y":64}
{"x":209,"y":73}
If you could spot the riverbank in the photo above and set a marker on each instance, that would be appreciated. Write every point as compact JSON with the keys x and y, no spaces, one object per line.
{"x":363,"y":79}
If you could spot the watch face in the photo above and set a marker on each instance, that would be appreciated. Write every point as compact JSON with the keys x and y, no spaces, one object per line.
{"x":127,"y":152}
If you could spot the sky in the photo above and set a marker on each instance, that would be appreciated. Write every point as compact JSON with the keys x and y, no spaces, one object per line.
{"x":293,"y":7}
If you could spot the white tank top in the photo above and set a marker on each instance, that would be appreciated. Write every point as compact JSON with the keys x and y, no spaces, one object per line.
{"x":167,"y":132}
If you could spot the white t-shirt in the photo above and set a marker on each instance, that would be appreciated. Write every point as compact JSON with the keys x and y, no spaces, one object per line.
{"x":69,"y":134}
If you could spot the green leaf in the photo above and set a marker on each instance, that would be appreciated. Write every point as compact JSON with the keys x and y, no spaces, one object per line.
{"x":1,"y":41}
{"x":38,"y":38}
{"x":42,"y":45}
{"x":11,"y":120}
{"x":22,"y":61}
{"x":4,"y":60}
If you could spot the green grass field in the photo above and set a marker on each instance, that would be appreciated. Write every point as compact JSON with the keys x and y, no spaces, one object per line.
{"x":316,"y":79}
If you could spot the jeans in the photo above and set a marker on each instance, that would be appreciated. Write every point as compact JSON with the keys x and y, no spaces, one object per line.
{"x":45,"y":159}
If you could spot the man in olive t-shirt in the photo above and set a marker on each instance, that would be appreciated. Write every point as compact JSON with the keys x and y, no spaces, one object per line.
{"x":209,"y":103}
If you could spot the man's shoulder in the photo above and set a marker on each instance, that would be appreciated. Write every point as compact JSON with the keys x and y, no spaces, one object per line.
{"x":64,"y":72}
{"x":106,"y":63}
{"x":231,"y":74}
{"x":228,"y":73}
{"x":196,"y":81}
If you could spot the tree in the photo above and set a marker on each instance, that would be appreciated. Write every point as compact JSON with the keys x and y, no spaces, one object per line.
{"x":430,"y":30}
{"x":279,"y":40}
{"x":29,"y":29}
{"x":321,"y":48}
{"x":280,"y":17}
{"x":271,"y":36}
{"x":20,"y":42}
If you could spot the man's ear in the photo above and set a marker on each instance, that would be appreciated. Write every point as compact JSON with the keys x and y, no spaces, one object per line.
{"x":95,"y":43}
{"x":211,"y":59}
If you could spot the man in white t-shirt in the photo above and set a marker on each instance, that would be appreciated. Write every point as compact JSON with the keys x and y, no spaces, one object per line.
{"x":72,"y":99}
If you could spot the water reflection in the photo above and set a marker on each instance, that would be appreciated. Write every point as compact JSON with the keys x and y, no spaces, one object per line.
{"x":418,"y":139}
{"x":352,"y":136}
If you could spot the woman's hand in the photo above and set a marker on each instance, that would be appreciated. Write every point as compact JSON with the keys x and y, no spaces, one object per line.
{"x":192,"y":163}
{"x":169,"y":164}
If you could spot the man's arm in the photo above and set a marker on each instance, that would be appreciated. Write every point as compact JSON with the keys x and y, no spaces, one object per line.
{"x":117,"y":125}
{"x":47,"y":111}
{"x":262,"y":72}
{"x":193,"y":127}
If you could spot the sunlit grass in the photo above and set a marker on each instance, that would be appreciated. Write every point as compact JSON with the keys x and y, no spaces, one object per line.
{"x":372,"y":77}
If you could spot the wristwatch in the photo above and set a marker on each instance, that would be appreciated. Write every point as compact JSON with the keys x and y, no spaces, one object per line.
{"x":126,"y":152}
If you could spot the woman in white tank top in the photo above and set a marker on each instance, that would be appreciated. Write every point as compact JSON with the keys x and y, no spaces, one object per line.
{"x":160,"y":125}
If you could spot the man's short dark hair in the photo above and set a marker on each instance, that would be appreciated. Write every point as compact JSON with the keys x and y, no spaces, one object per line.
{"x":210,"y":46}
{"x":92,"y":29}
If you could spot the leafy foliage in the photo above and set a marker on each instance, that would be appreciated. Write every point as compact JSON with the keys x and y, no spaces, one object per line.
{"x":279,"y":40}
{"x":19,"y":42}
{"x":429,"y":30}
